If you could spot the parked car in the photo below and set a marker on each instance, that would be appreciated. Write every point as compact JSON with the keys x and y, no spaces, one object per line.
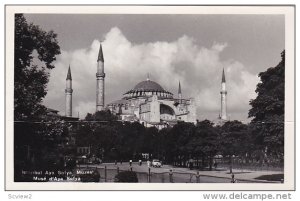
{"x":156,"y":163}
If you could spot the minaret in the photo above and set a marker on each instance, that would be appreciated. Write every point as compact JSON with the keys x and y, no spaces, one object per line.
{"x":68,"y":92}
{"x":179,"y":92}
{"x":223,"y":93}
{"x":100,"y":75}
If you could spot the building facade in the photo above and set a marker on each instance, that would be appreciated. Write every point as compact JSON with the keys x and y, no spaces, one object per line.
{"x":150,"y":104}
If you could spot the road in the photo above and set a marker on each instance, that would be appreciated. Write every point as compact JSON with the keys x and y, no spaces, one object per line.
{"x":158,"y":175}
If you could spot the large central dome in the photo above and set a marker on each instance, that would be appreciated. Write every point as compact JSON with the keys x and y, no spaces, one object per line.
{"x":147,"y":88}
{"x":148,"y":85}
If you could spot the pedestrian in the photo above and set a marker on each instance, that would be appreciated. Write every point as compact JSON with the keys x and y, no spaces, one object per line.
{"x":148,"y":163}
{"x":171,"y":176}
{"x":233,"y":180}
{"x":215,"y":165}
{"x":121,"y":161}
{"x":130,"y":162}
{"x":140,"y":162}
{"x":116,"y":162}
{"x":197,"y":177}
{"x":191,"y":165}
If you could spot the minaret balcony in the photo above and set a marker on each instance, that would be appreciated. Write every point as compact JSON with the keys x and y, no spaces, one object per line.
{"x":68,"y":90}
{"x":100,"y":74}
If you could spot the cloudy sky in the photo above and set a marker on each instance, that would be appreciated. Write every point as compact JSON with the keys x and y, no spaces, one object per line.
{"x":191,"y":48}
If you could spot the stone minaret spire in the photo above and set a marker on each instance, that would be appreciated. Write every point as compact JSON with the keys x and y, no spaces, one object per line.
{"x":179,"y":92}
{"x":68,"y":92}
{"x":100,"y":75}
{"x":223,"y":93}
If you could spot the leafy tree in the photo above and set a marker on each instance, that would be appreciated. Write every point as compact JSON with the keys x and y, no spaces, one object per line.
{"x":159,"y":144}
{"x":146,"y":140}
{"x":129,"y":143}
{"x":233,"y":134}
{"x":206,"y":140}
{"x":268,"y":110}
{"x":104,"y":115}
{"x":178,"y":137}
{"x":35,"y":51}
{"x":84,"y":134}
{"x":40,"y":146}
{"x":116,"y":140}
{"x":166,"y":144}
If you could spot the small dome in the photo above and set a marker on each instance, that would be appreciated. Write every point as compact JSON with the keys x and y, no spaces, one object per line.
{"x":148,"y":85}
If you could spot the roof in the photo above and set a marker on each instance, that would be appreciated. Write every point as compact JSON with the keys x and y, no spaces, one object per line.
{"x":100,"y":54}
{"x":148,"y":85}
{"x":69,"y":76}
{"x":179,"y":88}
{"x":52,"y":110}
{"x":223,"y":76}
{"x":70,"y":118}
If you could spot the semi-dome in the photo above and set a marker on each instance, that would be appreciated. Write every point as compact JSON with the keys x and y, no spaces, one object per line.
{"x":148,"y":85}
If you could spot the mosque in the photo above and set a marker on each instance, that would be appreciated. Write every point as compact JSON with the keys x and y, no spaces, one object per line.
{"x":147,"y":102}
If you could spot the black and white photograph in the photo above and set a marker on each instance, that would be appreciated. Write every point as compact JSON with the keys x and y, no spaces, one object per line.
{"x":150,"y":98}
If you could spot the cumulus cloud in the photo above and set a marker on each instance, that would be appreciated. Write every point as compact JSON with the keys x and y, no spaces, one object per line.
{"x":198,"y":68}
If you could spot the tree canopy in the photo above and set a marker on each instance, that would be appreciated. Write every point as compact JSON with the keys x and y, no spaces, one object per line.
{"x":115,"y":140}
{"x":104,"y":115}
{"x":268,"y":109}
{"x":35,"y":51}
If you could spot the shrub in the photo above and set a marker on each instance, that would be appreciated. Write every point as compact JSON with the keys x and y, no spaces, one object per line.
{"x":127,"y":176}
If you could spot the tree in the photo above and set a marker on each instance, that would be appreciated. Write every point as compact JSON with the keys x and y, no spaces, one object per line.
{"x":146,"y":140}
{"x":35,"y":51}
{"x":40,"y":146}
{"x":178,"y":137}
{"x":268,"y":110}
{"x":129,"y":135}
{"x":206,"y":141}
{"x":104,"y":115}
{"x":100,"y":132}
{"x":233,"y":135}
{"x":117,"y":140}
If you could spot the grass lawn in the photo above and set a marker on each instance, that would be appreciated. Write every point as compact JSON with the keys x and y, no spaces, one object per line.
{"x":272,"y":177}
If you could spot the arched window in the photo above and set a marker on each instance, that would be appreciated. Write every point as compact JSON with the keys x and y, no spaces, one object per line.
{"x":166,"y":112}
